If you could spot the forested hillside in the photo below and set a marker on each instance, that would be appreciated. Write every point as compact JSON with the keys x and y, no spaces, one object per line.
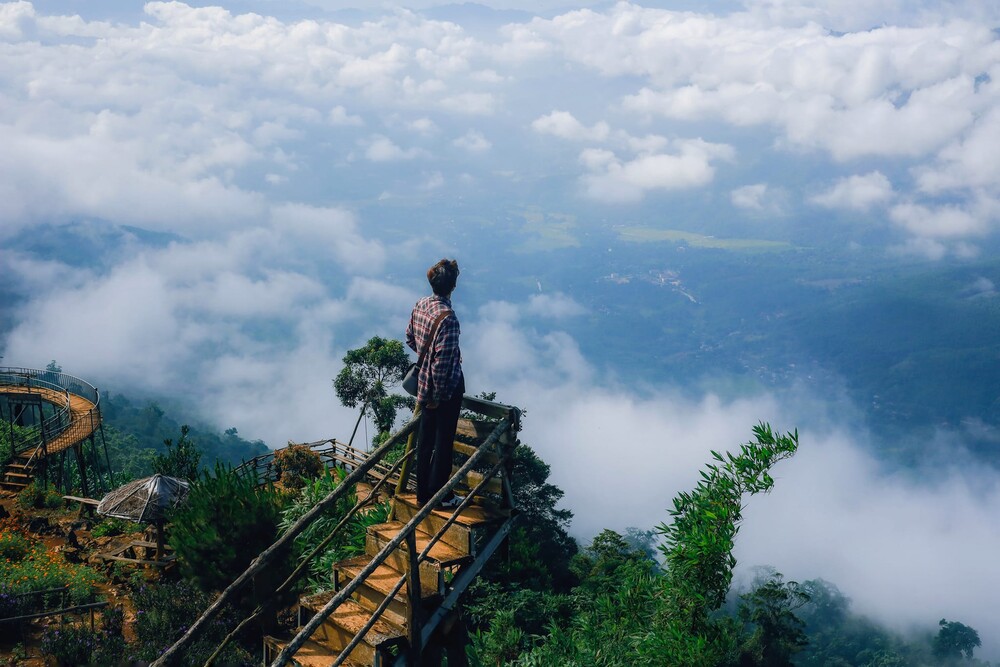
{"x":136,"y":430}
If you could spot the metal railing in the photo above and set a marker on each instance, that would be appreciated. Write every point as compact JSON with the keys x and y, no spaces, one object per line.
{"x":60,"y":597}
{"x":498,"y":446}
{"x":36,"y":438}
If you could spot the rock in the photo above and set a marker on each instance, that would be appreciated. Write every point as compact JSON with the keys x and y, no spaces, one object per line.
{"x":71,"y":540}
{"x":38,"y":525}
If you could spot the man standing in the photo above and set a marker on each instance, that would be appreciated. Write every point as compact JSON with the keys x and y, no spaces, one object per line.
{"x":441,"y":384}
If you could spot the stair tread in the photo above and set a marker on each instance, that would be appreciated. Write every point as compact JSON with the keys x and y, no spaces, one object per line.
{"x":311,"y":654}
{"x":440,"y":553}
{"x":352,"y":617}
{"x":383,"y":579}
{"x":473,"y":515}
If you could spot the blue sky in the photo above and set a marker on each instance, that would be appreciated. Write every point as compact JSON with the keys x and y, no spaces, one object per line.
{"x":270,"y":145}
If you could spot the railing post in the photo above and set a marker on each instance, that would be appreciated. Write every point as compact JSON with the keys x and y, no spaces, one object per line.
{"x":404,"y":472}
{"x":414,"y":604}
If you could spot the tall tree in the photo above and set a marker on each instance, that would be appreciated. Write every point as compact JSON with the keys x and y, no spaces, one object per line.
{"x":769,"y":609}
{"x":367,"y":374}
{"x":955,"y":640}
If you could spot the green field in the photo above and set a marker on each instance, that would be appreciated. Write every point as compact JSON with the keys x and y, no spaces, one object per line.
{"x":650,"y":235}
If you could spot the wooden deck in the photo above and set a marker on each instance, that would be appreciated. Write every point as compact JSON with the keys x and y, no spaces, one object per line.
{"x":82,"y":422}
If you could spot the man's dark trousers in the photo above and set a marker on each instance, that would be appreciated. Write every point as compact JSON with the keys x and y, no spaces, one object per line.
{"x":437,"y":437}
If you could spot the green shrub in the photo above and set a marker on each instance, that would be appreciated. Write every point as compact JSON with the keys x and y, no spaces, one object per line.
{"x":37,"y":496}
{"x":181,"y":460}
{"x":225,"y":521}
{"x":296,"y":464}
{"x":351,"y":539}
{"x":114,"y":526}
{"x":14,"y":546}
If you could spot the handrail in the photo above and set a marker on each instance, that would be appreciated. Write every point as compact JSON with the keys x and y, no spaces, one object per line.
{"x":405,"y":533}
{"x":171,"y":655}
{"x":331,"y":452}
{"x":421,"y":558}
{"x":508,"y":422}
{"x":36,"y":437}
{"x":286,"y":585}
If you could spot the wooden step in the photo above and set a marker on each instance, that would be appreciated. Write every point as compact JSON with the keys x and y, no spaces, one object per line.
{"x":441,"y":556}
{"x":377,"y":586}
{"x":474,"y":523}
{"x":312,"y":654}
{"x":17,"y":474}
{"x":337,"y":631}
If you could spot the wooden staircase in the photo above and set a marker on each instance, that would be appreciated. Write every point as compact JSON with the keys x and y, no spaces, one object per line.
{"x":18,"y":473}
{"x":457,"y":547}
{"x":393,"y":605}
{"x":455,"y":544}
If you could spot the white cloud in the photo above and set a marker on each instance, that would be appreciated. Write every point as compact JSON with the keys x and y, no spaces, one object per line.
{"x":433,"y":181}
{"x":969,"y":162}
{"x":759,"y":198}
{"x":471,"y":103}
{"x":910,"y":547}
{"x":330,"y":232}
{"x":14,"y":16}
{"x":473,"y":141}
{"x":380,"y":148}
{"x":614,"y":180}
{"x":338,"y":116}
{"x":562,"y":124}
{"x":921,"y":247}
{"x":424,"y":126}
{"x":937,"y":222}
{"x":857,"y":192}
{"x":555,"y":306}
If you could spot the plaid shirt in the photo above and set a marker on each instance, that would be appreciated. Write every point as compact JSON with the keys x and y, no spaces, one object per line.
{"x":442,"y":367}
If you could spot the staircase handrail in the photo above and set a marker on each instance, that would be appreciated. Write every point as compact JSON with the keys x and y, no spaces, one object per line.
{"x":286,"y":585}
{"x":508,"y":417}
{"x":174,"y":652}
{"x":406,"y":533}
{"x":424,"y":633}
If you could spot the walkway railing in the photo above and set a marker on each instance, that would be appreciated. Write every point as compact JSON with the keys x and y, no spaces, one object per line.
{"x":34,"y":438}
{"x":332,"y":453}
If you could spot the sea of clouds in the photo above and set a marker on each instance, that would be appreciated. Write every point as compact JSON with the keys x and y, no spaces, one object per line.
{"x":254,"y":141}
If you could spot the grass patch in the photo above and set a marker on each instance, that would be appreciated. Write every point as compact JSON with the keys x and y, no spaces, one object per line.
{"x":651,"y":235}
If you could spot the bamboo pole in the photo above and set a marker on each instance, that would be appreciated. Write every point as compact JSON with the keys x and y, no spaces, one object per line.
{"x":172,"y":654}
{"x":411,"y":443}
{"x":307,"y":630}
